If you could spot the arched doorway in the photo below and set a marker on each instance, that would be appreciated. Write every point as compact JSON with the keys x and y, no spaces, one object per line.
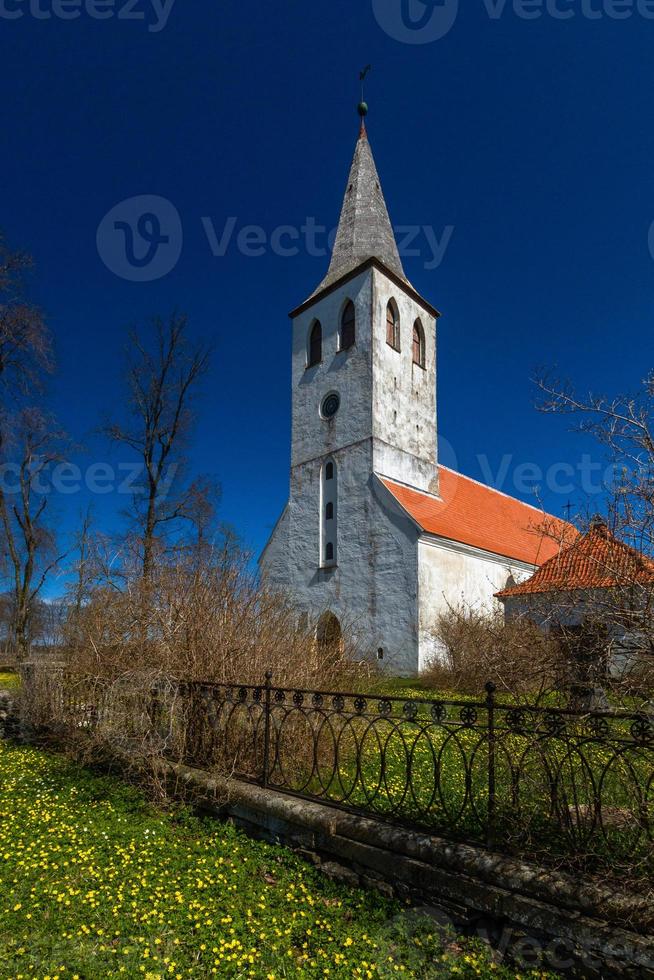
{"x":328,"y":633}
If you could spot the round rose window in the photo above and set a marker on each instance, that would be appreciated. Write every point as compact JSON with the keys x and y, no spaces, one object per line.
{"x":330,"y":405}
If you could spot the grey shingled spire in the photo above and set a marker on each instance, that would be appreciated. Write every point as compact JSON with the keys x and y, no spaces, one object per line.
{"x":364,"y":229}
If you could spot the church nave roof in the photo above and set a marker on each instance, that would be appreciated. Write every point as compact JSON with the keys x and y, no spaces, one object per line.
{"x":470,"y":513}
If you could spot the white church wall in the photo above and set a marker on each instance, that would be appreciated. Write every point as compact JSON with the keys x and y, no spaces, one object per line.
{"x":551,"y":611}
{"x":273,"y":561}
{"x":346,"y":372}
{"x":450,"y":574}
{"x":373,"y":587}
{"x":404,"y":394}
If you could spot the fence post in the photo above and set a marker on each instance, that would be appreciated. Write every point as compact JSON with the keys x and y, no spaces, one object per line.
{"x":490,"y":705}
{"x":266,"y":730}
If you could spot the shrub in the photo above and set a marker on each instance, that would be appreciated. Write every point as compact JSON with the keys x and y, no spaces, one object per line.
{"x":196,"y":621}
{"x":478,"y":645}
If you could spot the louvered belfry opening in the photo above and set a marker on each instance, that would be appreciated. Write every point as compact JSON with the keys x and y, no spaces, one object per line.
{"x":315,"y":345}
{"x":348,"y":326}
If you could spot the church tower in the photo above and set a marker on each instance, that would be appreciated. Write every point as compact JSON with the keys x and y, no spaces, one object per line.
{"x":363,"y":407}
{"x":374,"y":346}
{"x":376,"y":537}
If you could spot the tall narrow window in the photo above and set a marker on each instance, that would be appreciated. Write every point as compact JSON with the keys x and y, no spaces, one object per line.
{"x":392,"y":326}
{"x":315,"y":345}
{"x":348,"y":327}
{"x":418,"y":344}
{"x":328,"y":514}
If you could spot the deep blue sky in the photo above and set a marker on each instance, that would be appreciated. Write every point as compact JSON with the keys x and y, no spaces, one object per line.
{"x":532,"y":138}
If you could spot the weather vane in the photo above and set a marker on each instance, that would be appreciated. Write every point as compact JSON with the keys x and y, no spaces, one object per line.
{"x":363,"y":106}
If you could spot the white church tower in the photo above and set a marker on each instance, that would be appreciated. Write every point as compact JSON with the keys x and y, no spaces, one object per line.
{"x":347,"y":549}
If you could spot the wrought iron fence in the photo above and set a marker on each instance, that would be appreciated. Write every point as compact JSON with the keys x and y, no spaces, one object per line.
{"x":546,"y":781}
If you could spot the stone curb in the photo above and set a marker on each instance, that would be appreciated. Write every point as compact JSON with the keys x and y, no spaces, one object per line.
{"x":495,"y":869}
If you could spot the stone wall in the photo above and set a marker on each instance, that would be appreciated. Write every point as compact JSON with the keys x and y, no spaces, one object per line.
{"x":538,"y":916}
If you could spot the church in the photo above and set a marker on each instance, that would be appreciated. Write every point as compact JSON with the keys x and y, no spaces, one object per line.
{"x":376,"y":536}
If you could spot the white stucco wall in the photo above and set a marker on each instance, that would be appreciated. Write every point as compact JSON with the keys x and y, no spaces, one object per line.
{"x":403,"y":394}
{"x":373,"y":588}
{"x":550,"y":611}
{"x":273,"y":561}
{"x":451,"y":574}
{"x":347,"y":372}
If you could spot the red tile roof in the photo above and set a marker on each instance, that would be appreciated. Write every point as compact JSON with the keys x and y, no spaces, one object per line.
{"x":474,"y":514}
{"x":595,"y":561}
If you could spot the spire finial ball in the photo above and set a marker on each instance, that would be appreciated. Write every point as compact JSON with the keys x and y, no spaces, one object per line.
{"x":362,"y":109}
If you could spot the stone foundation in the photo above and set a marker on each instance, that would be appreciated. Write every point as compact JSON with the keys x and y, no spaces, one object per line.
{"x":538,"y":916}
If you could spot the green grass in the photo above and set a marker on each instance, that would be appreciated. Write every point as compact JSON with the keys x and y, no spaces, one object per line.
{"x":96,"y":883}
{"x":10,"y":682}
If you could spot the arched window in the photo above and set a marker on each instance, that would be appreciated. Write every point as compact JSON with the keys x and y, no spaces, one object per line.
{"x":392,"y":326}
{"x":315,"y":345}
{"x":348,"y":326}
{"x":418,"y":344}
{"x":328,"y":514}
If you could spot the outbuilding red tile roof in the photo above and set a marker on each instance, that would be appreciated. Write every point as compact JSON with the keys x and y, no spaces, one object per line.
{"x":598,"y":560}
{"x":471,"y":513}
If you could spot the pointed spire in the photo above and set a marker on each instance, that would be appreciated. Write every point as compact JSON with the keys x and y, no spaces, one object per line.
{"x":364,"y":228}
{"x":363,"y":112}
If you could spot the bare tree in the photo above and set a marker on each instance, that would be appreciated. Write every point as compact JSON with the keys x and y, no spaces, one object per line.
{"x":29,"y":449}
{"x":624,"y":425}
{"x":162,"y":376}
{"x":25,"y":347}
{"x":83,"y":565}
{"x":624,"y":612}
{"x":29,"y":443}
{"x":201,"y":511}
